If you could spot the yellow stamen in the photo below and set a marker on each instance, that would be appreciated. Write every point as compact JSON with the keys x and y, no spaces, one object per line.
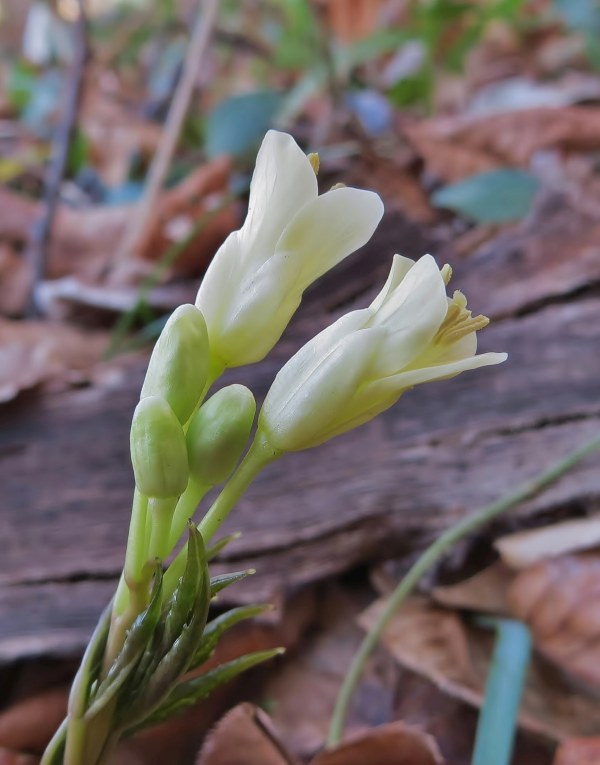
{"x":315,"y":161}
{"x":446,"y":272}
{"x":459,"y":321}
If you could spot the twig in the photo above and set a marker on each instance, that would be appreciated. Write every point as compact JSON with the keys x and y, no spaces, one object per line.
{"x":136,"y":231}
{"x":36,"y":254}
{"x":428,"y":559}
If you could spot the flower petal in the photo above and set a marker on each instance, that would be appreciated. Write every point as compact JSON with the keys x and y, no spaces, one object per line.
{"x":329,"y":228}
{"x":411,"y":314}
{"x":408,"y":379}
{"x":282,"y":183}
{"x":400,"y":267}
{"x":321,"y":398}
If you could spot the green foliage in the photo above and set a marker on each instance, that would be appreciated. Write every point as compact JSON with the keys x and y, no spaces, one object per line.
{"x":237,"y":124}
{"x":493,"y":197}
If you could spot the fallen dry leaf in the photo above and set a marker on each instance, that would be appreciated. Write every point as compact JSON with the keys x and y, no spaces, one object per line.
{"x":525,"y":548}
{"x":244,"y":737}
{"x":301,"y":692}
{"x":392,"y":744}
{"x":560,"y":601}
{"x":29,"y":725}
{"x":455,"y":657}
{"x":84,"y":240}
{"x":352,"y":20}
{"x":579,"y":751}
{"x":454,"y":148}
{"x":483,"y":592}
{"x":32,"y":352}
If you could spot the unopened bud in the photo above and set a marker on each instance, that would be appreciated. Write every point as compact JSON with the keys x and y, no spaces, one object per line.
{"x":218,"y":434}
{"x":158,"y":450}
{"x":178,"y":368}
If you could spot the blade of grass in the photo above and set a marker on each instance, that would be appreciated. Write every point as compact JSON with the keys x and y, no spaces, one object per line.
{"x":497,"y":724}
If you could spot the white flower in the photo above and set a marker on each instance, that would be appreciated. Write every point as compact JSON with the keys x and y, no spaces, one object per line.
{"x":290,"y":238}
{"x":360,"y":365}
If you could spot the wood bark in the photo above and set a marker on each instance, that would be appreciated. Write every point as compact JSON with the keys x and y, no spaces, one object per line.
{"x":382,"y":491}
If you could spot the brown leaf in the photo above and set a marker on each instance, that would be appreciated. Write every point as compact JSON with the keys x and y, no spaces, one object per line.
{"x":525,"y":548}
{"x":243,"y":737}
{"x":579,"y":751}
{"x":32,"y":352}
{"x":457,"y":147}
{"x":393,"y":744}
{"x":181,"y":207}
{"x":303,"y":689}
{"x":560,"y":601}
{"x":352,"y":20}
{"x":29,"y":724}
{"x":84,"y":240}
{"x":483,"y":592}
{"x":456,"y":657}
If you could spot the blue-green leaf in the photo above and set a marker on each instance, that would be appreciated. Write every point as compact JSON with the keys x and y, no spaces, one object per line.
{"x":237,"y":124}
{"x":493,"y":197}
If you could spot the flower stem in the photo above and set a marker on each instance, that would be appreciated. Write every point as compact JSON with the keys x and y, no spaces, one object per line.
{"x":185,"y":509}
{"x":426,"y":561}
{"x":260,"y":454}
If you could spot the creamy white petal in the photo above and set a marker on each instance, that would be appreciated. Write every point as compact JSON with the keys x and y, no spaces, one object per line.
{"x":304,"y":362}
{"x":282,"y":183}
{"x":405,"y":380}
{"x":329,"y":228}
{"x":400,"y":267}
{"x":326,"y":390}
{"x":411,"y":314}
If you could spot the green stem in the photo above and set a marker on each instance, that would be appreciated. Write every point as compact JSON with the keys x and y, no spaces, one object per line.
{"x":497,"y":722}
{"x":136,"y":553}
{"x":260,"y":454}
{"x":53,"y":754}
{"x":185,"y":509}
{"x":425,"y":562}
{"x":160,"y":514}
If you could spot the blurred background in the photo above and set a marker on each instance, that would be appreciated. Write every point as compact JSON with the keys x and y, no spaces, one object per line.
{"x":128,"y":134}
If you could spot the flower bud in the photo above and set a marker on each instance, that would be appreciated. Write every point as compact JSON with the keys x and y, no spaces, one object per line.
{"x":178,"y":368}
{"x":158,"y":451}
{"x":218,"y":434}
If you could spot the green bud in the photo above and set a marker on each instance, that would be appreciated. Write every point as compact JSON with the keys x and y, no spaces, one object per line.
{"x":158,"y":450}
{"x":218,"y":434}
{"x":178,"y":367}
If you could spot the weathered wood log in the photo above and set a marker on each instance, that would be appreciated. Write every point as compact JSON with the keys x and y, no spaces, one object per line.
{"x":384,"y":490}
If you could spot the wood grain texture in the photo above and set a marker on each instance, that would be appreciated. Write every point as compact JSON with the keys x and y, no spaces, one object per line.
{"x":384,"y":490}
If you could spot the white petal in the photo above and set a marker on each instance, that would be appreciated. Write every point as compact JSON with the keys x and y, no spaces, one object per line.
{"x":405,"y":380}
{"x":400,"y":267}
{"x":329,"y":228}
{"x":306,"y":360}
{"x":297,"y":418}
{"x":282,"y":183}
{"x":218,"y":288}
{"x":412,"y":314}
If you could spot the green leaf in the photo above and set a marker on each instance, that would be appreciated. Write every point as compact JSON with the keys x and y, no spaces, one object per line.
{"x":136,"y":641}
{"x":218,"y":583}
{"x":220,"y":545}
{"x":215,"y":629}
{"x":192,"y":691}
{"x":493,"y":197}
{"x":171,"y":654}
{"x":237,"y":124}
{"x":187,"y":593}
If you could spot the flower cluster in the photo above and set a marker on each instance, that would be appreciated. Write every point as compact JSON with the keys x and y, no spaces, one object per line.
{"x":182,"y":446}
